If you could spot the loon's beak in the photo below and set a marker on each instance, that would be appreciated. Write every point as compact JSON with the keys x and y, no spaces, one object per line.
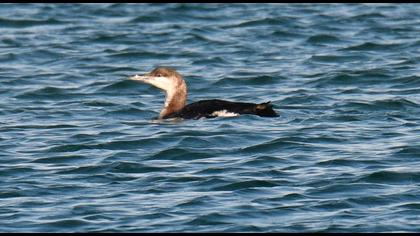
{"x":140,"y":78}
{"x":160,"y":82}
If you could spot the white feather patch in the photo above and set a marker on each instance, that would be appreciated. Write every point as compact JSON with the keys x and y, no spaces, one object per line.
{"x":224,"y":113}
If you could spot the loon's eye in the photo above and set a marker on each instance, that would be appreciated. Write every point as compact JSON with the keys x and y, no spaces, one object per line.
{"x":159,"y":75}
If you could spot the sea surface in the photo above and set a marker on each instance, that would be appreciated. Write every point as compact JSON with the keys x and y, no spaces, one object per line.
{"x":80,"y":149}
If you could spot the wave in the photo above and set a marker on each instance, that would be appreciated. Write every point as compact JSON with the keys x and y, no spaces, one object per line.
{"x":261,"y":22}
{"x":353,"y":78}
{"x":277,"y":144}
{"x":390,"y":177}
{"x":246,"y":185}
{"x":251,"y":80}
{"x":22,"y":23}
{"x":370,"y":46}
{"x":390,"y":104}
{"x":48,"y":92}
{"x":323,"y":38}
{"x":334,"y":59}
{"x":178,"y":154}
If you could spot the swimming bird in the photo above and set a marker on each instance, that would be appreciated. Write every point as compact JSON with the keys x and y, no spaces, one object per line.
{"x":174,"y":85}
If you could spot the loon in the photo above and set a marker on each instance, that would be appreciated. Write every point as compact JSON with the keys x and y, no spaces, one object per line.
{"x":173,"y":84}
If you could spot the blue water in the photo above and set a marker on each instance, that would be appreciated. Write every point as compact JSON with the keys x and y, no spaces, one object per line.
{"x":80,"y":151}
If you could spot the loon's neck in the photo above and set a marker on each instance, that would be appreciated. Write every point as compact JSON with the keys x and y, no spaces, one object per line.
{"x":176,"y":97}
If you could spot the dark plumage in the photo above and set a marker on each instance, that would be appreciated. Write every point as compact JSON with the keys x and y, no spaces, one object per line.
{"x":206,"y":108}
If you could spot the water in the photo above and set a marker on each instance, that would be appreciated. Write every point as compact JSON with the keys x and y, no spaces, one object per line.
{"x":80,"y":151}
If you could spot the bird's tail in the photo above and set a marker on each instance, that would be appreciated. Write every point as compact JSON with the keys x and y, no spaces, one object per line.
{"x":265,"y":109}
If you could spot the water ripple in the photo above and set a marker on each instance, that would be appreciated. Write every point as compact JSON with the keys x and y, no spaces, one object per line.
{"x":22,"y":23}
{"x":82,"y":152}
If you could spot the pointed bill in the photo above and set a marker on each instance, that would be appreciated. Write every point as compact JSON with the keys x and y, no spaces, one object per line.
{"x":158,"y":81}
{"x":138,"y":77}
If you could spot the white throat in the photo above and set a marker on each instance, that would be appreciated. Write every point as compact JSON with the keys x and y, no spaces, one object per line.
{"x":175,"y":89}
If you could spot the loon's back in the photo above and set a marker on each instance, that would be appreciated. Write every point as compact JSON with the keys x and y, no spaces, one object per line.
{"x":213,"y":108}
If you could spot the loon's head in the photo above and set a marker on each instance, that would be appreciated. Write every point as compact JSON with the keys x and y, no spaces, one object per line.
{"x":164,"y":78}
{"x":171,"y":82}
